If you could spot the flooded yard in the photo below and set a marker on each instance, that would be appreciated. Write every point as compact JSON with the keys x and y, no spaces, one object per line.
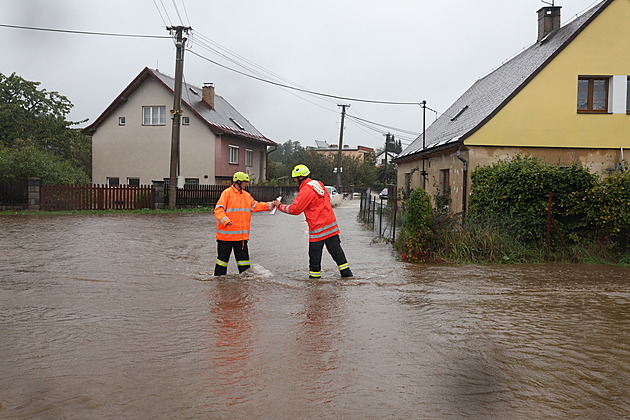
{"x":119,"y":317}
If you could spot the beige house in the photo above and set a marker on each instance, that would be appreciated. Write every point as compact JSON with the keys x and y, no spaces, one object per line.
{"x":324,"y":148}
{"x":131,"y":139}
{"x":565,"y":99}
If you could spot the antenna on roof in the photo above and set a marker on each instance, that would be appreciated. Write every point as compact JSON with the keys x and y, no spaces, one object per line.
{"x":546,"y":2}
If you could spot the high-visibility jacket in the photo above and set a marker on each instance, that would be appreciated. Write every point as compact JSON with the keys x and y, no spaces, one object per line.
{"x":314,"y":201}
{"x":236,"y":206}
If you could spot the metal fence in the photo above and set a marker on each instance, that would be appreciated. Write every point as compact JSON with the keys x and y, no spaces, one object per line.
{"x":381,"y":214}
{"x":14,"y":194}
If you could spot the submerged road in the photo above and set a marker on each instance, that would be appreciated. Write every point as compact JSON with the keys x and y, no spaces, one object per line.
{"x":119,"y":317}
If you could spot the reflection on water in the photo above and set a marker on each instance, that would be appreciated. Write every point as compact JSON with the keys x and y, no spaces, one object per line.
{"x":118,"y":316}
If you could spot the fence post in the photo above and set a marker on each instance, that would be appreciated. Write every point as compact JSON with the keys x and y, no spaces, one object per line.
{"x":34,"y":191}
{"x":158,"y":194}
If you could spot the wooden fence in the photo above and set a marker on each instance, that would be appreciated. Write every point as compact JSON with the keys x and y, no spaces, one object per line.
{"x":208,"y":195}
{"x":122,"y":197}
{"x":95,"y":197}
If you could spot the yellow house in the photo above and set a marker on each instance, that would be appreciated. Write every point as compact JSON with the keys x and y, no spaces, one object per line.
{"x":565,"y":99}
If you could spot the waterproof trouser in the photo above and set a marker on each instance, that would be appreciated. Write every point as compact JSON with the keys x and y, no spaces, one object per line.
{"x":224,"y":249}
{"x":333,"y":245}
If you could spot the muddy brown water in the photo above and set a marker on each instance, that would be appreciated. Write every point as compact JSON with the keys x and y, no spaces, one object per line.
{"x":119,"y":317}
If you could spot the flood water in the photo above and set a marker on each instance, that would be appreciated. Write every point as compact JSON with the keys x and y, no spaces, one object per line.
{"x":119,"y":317}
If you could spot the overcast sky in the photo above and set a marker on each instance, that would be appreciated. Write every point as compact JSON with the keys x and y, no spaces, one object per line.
{"x":392,"y":51}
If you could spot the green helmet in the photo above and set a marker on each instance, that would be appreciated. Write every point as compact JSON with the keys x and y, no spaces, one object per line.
{"x":300,"y":170}
{"x":240,"y":176}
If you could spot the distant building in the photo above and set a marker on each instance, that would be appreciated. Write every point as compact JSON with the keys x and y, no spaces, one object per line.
{"x":324,"y":148}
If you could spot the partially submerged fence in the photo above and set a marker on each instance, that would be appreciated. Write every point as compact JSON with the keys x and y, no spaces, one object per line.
{"x":95,"y":197}
{"x":381,"y":215}
{"x":35,"y":195}
{"x":208,"y":195}
{"x":14,"y":194}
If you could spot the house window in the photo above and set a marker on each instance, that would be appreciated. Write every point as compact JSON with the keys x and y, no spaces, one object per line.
{"x":249,"y":157}
{"x":445,"y":184}
{"x":153,"y":115}
{"x":134,"y":182}
{"x":113,"y":180}
{"x":628,"y":95}
{"x":593,"y":94}
{"x":122,"y":121}
{"x":186,"y":120}
{"x":233,"y":155}
{"x":191,"y":181}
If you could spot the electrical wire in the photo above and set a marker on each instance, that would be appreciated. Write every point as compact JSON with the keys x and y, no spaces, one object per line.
{"x":384,"y":126}
{"x":67,"y":31}
{"x":345,"y":98}
{"x":177,"y":11}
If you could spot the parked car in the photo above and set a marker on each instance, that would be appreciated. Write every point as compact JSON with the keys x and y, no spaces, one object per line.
{"x":335,"y":197}
{"x":383,"y":194}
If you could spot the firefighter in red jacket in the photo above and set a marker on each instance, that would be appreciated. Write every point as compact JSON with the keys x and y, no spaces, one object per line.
{"x":313,"y":200}
{"x":234,"y":213}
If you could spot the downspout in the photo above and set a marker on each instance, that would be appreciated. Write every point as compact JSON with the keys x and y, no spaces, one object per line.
{"x":464,"y":182}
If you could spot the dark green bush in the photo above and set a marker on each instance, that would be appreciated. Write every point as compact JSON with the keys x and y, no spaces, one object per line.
{"x":518,"y":190}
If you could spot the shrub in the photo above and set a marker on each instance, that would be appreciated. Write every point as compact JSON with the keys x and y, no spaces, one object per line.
{"x":416,"y":228}
{"x":520,"y":188}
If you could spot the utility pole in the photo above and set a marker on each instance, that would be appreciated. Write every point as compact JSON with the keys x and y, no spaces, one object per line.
{"x":343,"y":117}
{"x":176,"y":112}
{"x":388,"y":140}
{"x":423,"y":104}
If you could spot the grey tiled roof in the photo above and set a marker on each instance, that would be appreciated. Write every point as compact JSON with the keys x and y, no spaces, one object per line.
{"x":223,"y":118}
{"x":490,"y":93}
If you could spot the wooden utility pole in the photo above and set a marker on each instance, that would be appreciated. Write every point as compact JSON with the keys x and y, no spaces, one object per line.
{"x":388,"y":139}
{"x":343,"y":117}
{"x":176,"y":112}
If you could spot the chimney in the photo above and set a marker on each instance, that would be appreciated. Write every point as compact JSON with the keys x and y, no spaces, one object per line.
{"x":207,"y":94}
{"x":548,"y":21}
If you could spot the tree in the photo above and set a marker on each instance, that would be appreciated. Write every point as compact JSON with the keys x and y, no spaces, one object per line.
{"x":35,"y":119}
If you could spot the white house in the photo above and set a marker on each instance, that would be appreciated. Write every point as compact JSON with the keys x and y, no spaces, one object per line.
{"x":131,"y":139}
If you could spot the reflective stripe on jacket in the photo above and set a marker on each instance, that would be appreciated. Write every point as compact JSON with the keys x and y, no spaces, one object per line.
{"x":314,"y":201}
{"x":236,"y":206}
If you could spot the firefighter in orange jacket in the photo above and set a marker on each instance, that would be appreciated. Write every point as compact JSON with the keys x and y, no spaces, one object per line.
{"x":314,"y":201}
{"x":234,"y":213}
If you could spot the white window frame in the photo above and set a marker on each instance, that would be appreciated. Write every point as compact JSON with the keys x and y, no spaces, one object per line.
{"x":133,"y":178}
{"x":185,"y":120}
{"x":154,"y":115}
{"x":122,"y":120}
{"x":111,"y":182}
{"x":249,"y":158}
{"x":233,"y":156}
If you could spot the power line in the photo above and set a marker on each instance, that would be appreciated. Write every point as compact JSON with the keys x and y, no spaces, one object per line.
{"x":345,"y":98}
{"x":177,"y":11}
{"x":413,"y":133}
{"x":67,"y":31}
